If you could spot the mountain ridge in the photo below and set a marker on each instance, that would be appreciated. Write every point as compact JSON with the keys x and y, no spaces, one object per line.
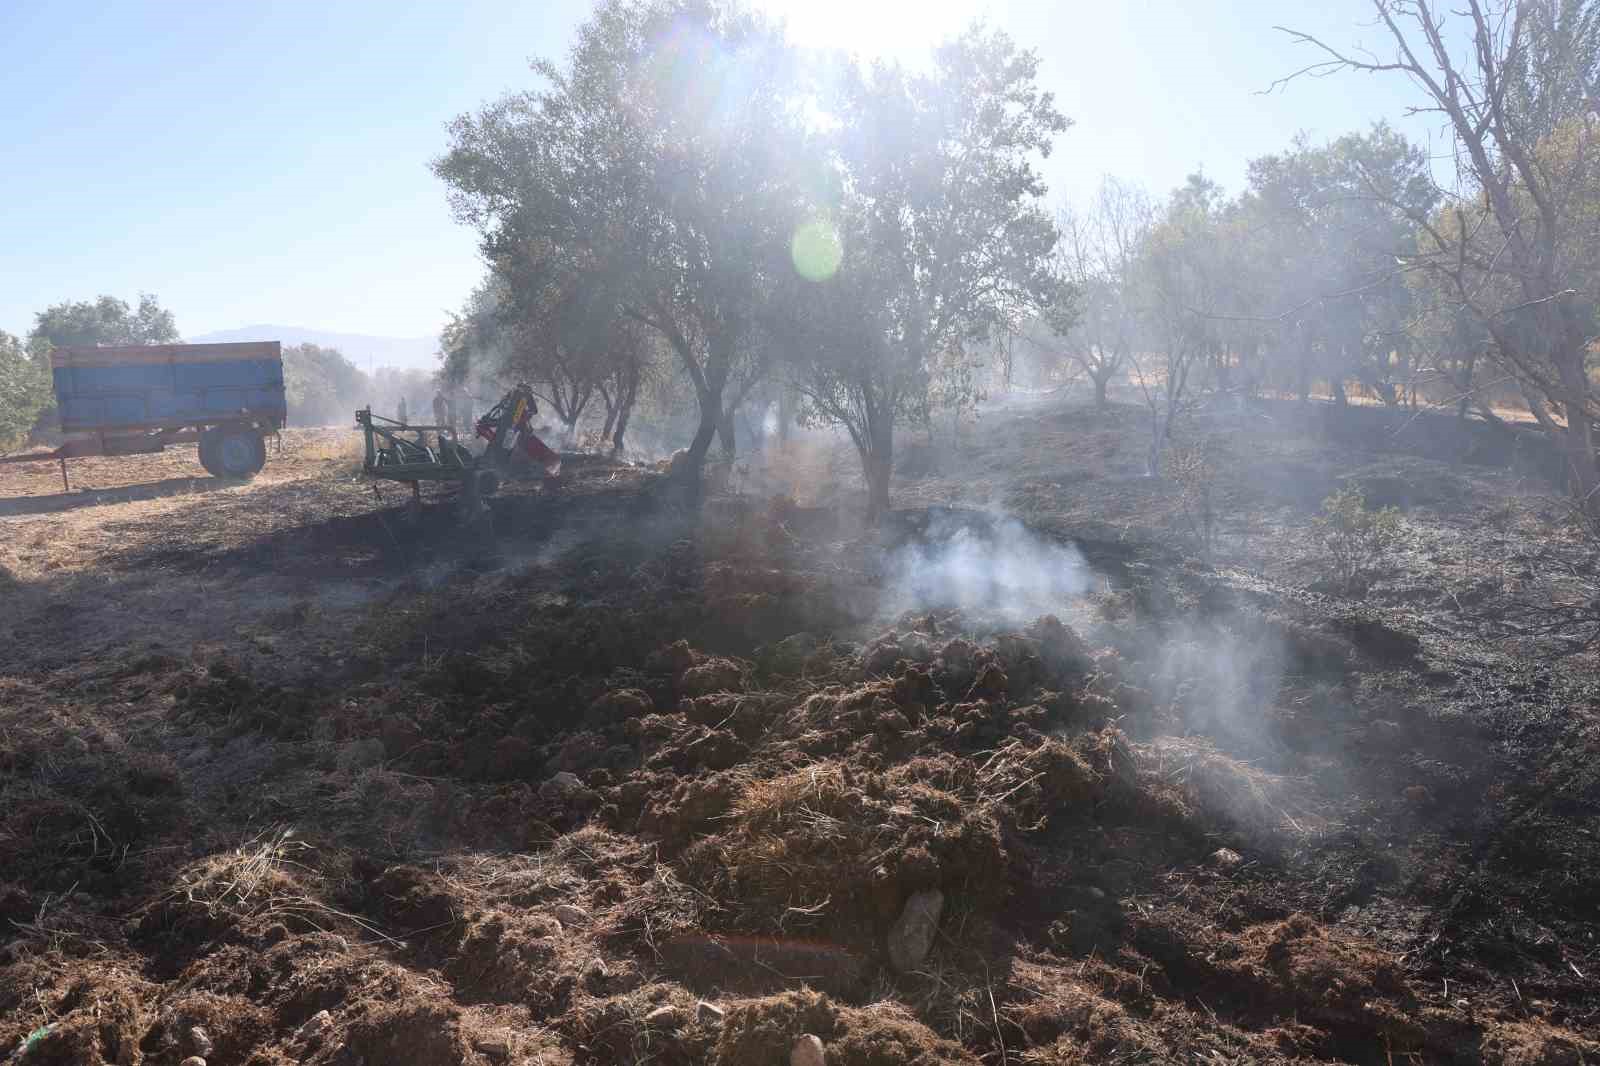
{"x":365,"y":350}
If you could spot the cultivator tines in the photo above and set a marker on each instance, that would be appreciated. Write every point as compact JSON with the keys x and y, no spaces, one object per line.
{"x":411,"y":454}
{"x":402,"y":452}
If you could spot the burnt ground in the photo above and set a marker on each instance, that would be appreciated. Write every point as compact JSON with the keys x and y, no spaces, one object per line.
{"x":615,"y":780}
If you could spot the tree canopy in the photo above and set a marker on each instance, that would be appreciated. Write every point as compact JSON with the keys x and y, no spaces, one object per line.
{"x":24,"y":391}
{"x":102,"y":321}
{"x":938,"y":232}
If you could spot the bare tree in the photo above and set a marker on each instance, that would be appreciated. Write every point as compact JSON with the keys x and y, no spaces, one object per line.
{"x":1514,"y":247}
{"x":1180,"y":276}
{"x":1095,"y":257}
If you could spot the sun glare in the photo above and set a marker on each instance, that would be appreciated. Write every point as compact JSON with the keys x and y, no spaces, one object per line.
{"x":816,"y":250}
{"x":898,"y":29}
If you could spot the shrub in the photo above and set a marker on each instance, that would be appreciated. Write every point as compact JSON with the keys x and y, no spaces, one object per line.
{"x":24,"y":392}
{"x":1192,"y":466}
{"x":1355,"y":539}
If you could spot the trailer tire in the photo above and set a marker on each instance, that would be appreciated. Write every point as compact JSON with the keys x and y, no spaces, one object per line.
{"x":208,"y":450}
{"x":239,"y":453}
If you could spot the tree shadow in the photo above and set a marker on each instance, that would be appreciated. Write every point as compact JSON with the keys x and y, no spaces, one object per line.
{"x":71,"y":501}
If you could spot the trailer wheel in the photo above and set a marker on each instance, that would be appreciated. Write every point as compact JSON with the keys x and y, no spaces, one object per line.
{"x":208,"y":451}
{"x":239,"y":453}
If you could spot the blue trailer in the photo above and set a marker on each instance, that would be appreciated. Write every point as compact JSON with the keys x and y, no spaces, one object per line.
{"x":137,"y":399}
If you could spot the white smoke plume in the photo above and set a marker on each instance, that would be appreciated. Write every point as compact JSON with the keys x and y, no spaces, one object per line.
{"x":981,"y":562}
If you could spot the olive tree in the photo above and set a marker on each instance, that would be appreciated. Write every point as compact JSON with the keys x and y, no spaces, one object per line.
{"x":1096,"y":257}
{"x":663,"y":161}
{"x":1514,"y":246}
{"x":935,"y":234}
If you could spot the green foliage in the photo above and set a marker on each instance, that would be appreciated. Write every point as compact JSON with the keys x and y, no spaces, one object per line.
{"x":322,"y":386}
{"x":1355,"y":539}
{"x":943,"y":240}
{"x":658,"y":173}
{"x":105,"y":320}
{"x":1330,"y":222}
{"x":24,"y":391}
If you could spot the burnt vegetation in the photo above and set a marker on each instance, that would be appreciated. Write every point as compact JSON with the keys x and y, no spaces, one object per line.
{"x":1159,"y":701}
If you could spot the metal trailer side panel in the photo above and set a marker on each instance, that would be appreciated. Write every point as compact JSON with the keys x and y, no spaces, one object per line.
{"x":146,"y":391}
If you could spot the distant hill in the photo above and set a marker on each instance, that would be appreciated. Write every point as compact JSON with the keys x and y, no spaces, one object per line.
{"x":366,"y":352}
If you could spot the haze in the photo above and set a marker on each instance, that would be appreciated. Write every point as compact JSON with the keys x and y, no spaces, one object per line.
{"x":268,"y":163}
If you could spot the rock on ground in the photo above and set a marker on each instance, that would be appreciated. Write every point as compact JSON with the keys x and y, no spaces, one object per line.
{"x":808,"y":1051}
{"x":911,"y":937}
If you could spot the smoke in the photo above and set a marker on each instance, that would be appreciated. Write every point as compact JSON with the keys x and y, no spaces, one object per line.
{"x":975,"y":561}
{"x":1222,"y":680}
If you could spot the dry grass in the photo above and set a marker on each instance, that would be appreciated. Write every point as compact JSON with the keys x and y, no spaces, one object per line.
{"x":822,"y":844}
{"x":261,"y":880}
{"x":1261,"y":805}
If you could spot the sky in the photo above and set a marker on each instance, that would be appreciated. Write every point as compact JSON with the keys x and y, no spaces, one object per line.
{"x":268,"y":162}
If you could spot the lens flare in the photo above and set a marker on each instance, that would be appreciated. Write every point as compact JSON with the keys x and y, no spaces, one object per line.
{"x":816,"y":250}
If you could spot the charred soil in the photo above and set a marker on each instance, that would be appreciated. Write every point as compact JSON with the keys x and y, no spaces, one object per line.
{"x":1016,"y":777}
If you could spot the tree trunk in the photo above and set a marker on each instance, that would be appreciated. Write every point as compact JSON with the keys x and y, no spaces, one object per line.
{"x":785,"y":413}
{"x":1304,"y":367}
{"x":879,"y":467}
{"x":1579,"y":435}
{"x":876,"y":446}
{"x":710,"y":412}
{"x":725,"y":433}
{"x":1158,"y":443}
{"x":1100,"y":383}
{"x":624,"y":409}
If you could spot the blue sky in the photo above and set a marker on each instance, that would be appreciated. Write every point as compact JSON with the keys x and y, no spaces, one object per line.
{"x":268,"y":162}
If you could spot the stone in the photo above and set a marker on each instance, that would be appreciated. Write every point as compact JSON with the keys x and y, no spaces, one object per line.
{"x":315,"y":1028}
{"x":808,"y":1051}
{"x":200,"y":1039}
{"x":708,"y":1013}
{"x":495,"y":1045}
{"x":665,"y":1017}
{"x":561,"y":785}
{"x":1226,"y":857}
{"x":911,"y":937}
{"x":569,"y":915}
{"x":193,"y":1060}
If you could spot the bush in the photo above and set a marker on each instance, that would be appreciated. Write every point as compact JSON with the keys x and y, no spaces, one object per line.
{"x":1355,"y":539}
{"x":1192,"y":466}
{"x":24,"y":392}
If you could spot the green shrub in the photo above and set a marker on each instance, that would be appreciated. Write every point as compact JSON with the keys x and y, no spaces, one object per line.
{"x":24,"y":392}
{"x":1355,"y":539}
